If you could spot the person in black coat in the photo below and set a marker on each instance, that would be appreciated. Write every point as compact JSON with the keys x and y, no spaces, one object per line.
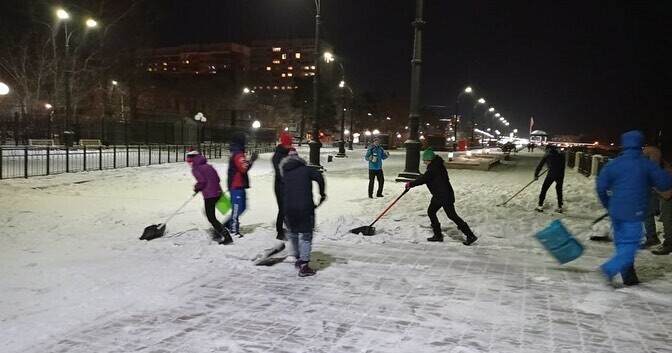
{"x":556,"y":174}
{"x":281,"y":151}
{"x":438,"y":183}
{"x":299,"y":208}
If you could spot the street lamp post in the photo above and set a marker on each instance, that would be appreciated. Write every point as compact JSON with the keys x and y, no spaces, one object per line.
{"x":485,"y":119}
{"x":473,"y":119}
{"x":255,"y":126}
{"x":315,"y":143}
{"x":199,"y":128}
{"x":412,"y":163}
{"x":4,"y":90}
{"x":68,"y":68}
{"x":457,"y":113}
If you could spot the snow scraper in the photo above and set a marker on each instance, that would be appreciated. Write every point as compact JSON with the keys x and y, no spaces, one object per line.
{"x":521,"y":190}
{"x":561,"y":243}
{"x":370,"y":229}
{"x":158,"y":230}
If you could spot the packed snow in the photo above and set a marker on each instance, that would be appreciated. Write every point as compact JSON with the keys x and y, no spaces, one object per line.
{"x":75,"y":277}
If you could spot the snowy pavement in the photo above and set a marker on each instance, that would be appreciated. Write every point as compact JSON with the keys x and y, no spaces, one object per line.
{"x":76,"y":279}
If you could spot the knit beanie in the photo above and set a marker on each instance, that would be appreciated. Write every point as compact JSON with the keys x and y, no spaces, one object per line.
{"x":286,"y":139}
{"x":428,"y":155}
{"x":191,"y":154}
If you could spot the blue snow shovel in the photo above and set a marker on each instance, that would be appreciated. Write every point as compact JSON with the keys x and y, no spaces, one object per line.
{"x":561,"y":243}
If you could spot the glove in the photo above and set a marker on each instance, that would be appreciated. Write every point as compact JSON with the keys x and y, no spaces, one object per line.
{"x":196,"y":190}
{"x":323,"y":197}
{"x":408,"y":186}
{"x":254,"y":156}
{"x":536,"y":178}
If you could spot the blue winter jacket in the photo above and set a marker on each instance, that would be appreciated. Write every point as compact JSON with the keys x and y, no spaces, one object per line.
{"x":624,"y":184}
{"x":378,"y":164}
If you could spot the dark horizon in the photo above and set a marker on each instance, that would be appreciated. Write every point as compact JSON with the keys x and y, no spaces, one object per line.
{"x":598,"y":66}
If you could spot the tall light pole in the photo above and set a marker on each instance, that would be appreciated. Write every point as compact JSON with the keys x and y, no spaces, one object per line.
{"x":64,"y":16}
{"x":328,"y":58}
{"x":457,"y":113}
{"x":315,"y":143}
{"x":485,"y":118}
{"x":473,"y":119}
{"x":412,"y":165}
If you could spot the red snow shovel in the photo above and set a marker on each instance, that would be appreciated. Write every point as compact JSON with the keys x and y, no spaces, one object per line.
{"x":370,"y":229}
{"x":158,"y":230}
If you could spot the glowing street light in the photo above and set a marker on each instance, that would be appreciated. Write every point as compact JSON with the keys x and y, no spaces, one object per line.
{"x":341,"y":84}
{"x":115,"y":82}
{"x":497,"y":115}
{"x":376,"y":132}
{"x":347,"y":132}
{"x":48,"y":106}
{"x":62,"y":14}
{"x":491,"y":109}
{"x":4,"y":89}
{"x":256,"y":124}
{"x":328,"y":57}
{"x":91,"y":23}
{"x":246,"y":90}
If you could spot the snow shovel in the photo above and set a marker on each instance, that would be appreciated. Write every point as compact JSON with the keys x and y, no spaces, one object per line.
{"x":521,"y":190}
{"x":158,"y":230}
{"x":370,"y":229}
{"x":561,"y":243}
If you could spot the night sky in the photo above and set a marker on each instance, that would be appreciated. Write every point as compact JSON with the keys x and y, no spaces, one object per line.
{"x":591,"y":67}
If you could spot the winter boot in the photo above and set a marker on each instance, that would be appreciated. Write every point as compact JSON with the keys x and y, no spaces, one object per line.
{"x":436,"y":228}
{"x":559,"y":209}
{"x":630,"y":277}
{"x":305,"y":270}
{"x":225,"y":237}
{"x":664,"y":249}
{"x":650,"y":242}
{"x":539,"y":209}
{"x":471,"y":238}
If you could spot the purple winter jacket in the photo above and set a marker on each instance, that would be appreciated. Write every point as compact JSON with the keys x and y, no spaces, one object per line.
{"x":207,"y":180}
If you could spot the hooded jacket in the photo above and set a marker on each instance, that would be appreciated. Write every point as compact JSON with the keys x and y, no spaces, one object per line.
{"x":624,"y":183}
{"x":278,"y":156}
{"x":207,"y":180}
{"x":381,"y":154}
{"x":555,"y":161}
{"x":298,"y":180}
{"x":436,"y":178}
{"x":238,"y":168}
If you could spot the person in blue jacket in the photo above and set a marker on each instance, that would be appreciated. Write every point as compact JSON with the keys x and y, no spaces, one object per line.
{"x":375,"y":155}
{"x":623,"y":186}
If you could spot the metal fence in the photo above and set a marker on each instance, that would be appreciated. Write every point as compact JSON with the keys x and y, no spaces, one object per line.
{"x":25,"y":162}
{"x":571,"y":159}
{"x":585,"y":164}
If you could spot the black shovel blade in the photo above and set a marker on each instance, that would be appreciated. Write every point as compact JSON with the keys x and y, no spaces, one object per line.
{"x":365,"y":230}
{"x":154,"y":231}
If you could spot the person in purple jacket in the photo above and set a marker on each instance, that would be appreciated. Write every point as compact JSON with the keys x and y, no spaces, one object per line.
{"x":207,"y":182}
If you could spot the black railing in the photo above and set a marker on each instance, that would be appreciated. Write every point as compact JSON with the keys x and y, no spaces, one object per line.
{"x":585,"y":164}
{"x":571,"y":159}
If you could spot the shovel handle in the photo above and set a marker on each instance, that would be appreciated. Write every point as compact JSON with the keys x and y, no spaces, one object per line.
{"x":388,"y":207}
{"x":521,"y":190}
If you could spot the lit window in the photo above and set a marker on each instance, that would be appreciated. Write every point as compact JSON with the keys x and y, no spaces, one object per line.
{"x":289,"y":87}
{"x":165,"y":69}
{"x":276,"y":61}
{"x":283,"y":75}
{"x":165,"y":64}
{"x":297,"y":55}
{"x":150,"y":69}
{"x":284,"y":56}
{"x":289,"y":74}
{"x":268,"y":87}
{"x":276,"y":49}
{"x":186,"y":61}
{"x":312,"y":67}
{"x":306,"y":67}
{"x":283,"y":88}
{"x":306,"y":74}
{"x":268,"y":68}
{"x":275,"y":87}
{"x":290,"y":68}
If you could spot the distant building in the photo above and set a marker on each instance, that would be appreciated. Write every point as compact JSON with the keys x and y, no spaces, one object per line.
{"x":275,"y":63}
{"x":198,"y":59}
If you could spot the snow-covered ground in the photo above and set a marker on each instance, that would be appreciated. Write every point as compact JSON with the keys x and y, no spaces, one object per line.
{"x":75,"y":277}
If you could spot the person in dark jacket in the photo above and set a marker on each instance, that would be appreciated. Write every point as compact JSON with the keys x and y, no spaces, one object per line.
{"x":438,"y":183}
{"x":281,"y":151}
{"x":375,"y":155}
{"x":298,"y":180}
{"x":207,"y":183}
{"x":238,"y":180}
{"x":556,"y":174}
{"x":623,"y":186}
